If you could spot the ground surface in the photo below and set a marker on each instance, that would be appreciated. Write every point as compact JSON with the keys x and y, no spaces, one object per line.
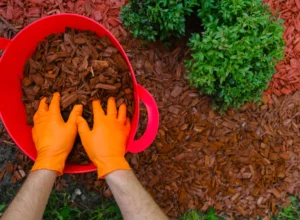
{"x":7,"y":189}
{"x":244,"y":162}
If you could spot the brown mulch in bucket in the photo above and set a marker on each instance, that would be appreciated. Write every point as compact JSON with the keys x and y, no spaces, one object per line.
{"x":82,"y":67}
{"x":244,"y":162}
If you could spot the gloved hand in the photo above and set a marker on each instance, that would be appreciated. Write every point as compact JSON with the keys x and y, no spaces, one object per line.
{"x":105,"y":144}
{"x":53,"y":137}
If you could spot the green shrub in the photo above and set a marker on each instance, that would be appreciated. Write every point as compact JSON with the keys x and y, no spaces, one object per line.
{"x":153,"y":20}
{"x":197,"y":215}
{"x":60,"y":207}
{"x":234,"y":58}
{"x":291,"y":212}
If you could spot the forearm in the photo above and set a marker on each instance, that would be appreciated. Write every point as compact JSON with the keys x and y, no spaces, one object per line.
{"x":31,"y":200}
{"x":132,"y":198}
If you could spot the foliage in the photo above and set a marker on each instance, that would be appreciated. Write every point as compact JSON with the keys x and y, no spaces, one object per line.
{"x":234,"y":59}
{"x":153,"y":20}
{"x":2,"y":207}
{"x":291,"y":212}
{"x":197,"y":215}
{"x":60,"y":207}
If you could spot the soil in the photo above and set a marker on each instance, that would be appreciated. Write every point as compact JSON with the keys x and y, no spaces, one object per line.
{"x":82,"y":67}
{"x":244,"y":163}
{"x":7,"y":189}
{"x":193,"y":25}
{"x":8,"y":152}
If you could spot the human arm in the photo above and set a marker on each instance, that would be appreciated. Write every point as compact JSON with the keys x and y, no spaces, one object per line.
{"x":31,"y":200}
{"x":133,"y":200}
{"x":53,"y":139}
{"x":105,"y":145}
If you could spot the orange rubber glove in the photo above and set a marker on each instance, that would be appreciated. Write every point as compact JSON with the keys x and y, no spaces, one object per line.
{"x":105,"y":144}
{"x":53,"y":137}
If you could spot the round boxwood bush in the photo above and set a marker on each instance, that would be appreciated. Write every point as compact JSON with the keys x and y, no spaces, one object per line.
{"x":234,"y":58}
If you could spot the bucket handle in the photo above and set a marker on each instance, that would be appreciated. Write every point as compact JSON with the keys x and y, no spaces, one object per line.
{"x":4,"y":42}
{"x":153,"y":122}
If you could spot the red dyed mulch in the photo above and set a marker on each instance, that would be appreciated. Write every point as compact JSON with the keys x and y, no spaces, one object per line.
{"x":287,"y":78}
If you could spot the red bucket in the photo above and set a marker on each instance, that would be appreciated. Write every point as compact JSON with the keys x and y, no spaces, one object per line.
{"x":16,"y":53}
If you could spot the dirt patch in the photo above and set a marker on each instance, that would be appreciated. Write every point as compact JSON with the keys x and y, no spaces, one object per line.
{"x":7,"y":189}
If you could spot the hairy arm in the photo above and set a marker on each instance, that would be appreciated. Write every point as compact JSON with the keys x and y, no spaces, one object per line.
{"x":31,"y":200}
{"x":105,"y":145}
{"x":132,"y":198}
{"x":53,"y":138}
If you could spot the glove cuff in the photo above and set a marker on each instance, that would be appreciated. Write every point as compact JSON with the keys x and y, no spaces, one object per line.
{"x":48,"y":164}
{"x":110,"y":164}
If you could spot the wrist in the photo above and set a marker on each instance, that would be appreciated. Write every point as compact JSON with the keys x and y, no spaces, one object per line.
{"x":110,"y":164}
{"x":116,"y":174}
{"x":45,"y":173}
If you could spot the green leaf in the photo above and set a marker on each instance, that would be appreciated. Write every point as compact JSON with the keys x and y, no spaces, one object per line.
{"x":65,"y":212}
{"x":292,"y":198}
{"x":211,"y":211}
{"x":2,"y":207}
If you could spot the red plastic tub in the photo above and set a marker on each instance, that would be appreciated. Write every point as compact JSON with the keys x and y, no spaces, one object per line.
{"x":21,"y":47}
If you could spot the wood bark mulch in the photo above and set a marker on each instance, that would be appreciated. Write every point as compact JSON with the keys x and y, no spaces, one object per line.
{"x":82,"y":67}
{"x":286,"y":80}
{"x":244,"y":162}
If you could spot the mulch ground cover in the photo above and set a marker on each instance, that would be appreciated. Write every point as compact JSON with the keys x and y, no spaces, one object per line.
{"x":286,"y":79}
{"x":244,"y":162}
